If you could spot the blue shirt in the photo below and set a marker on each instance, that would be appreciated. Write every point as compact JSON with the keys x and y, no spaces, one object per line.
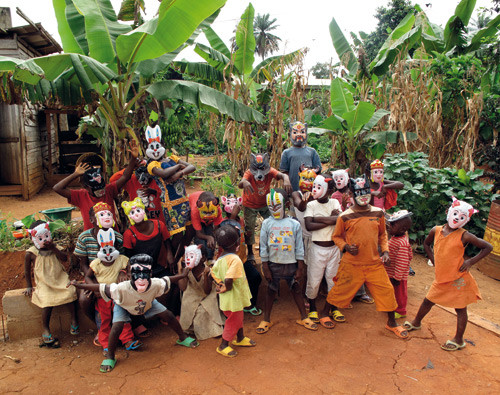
{"x":281,"y":241}
{"x":292,"y":158}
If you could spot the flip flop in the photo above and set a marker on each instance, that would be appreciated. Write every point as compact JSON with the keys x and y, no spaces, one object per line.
{"x":337,"y":316}
{"x":96,"y":340}
{"x":410,"y":327}
{"x":134,"y":345}
{"x":254,"y":311}
{"x":188,"y":342}
{"x":398,"y":331}
{"x":107,"y":363}
{"x":227,"y":352}
{"x":323,"y":321}
{"x":74,"y":330}
{"x":397,"y":315}
{"x":245,"y":342}
{"x":50,"y":341}
{"x":308,"y":324}
{"x":263,"y":327}
{"x":313,"y":316}
{"x":450,"y":345}
{"x":366,"y":299}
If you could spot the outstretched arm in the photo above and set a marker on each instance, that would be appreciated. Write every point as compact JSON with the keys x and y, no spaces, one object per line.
{"x":486,"y":248}
{"x":389,"y":184}
{"x":134,"y":154}
{"x":90,"y":287}
{"x":62,"y":186}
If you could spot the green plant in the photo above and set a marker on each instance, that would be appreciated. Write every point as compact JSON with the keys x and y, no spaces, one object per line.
{"x":221,"y":186}
{"x":427,"y":192}
{"x":322,"y":145}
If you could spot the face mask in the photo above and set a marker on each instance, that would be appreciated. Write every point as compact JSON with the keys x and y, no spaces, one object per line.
{"x":459,"y":213}
{"x":276,"y":204}
{"x":306,"y":179}
{"x":377,"y":171}
{"x":259,"y":166}
{"x":94,"y":180}
{"x":230,"y":202}
{"x":142,"y":175}
{"x":135,"y":211}
{"x":360,"y":188}
{"x":107,"y":252}
{"x":140,"y":277}
{"x":155,"y":150}
{"x":40,"y":235}
{"x":208,"y":211}
{"x":192,"y":256}
{"x":341,"y":178}
{"x":105,"y":219}
{"x":320,"y":187}
{"x":298,"y":134}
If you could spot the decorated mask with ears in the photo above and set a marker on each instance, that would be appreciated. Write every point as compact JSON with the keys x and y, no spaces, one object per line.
{"x":377,"y":171}
{"x":230,"y":202}
{"x":103,"y":215}
{"x":341,"y":178}
{"x":321,"y":186}
{"x":360,"y":188}
{"x":155,"y":150}
{"x":208,"y":209}
{"x":40,"y":235}
{"x":107,"y":251}
{"x":276,"y":203}
{"x":259,"y":166}
{"x":306,"y":177}
{"x":93,"y":179}
{"x":459,"y":213}
{"x":298,"y":133}
{"x":192,"y":256}
{"x":135,"y":211}
{"x":141,"y":271}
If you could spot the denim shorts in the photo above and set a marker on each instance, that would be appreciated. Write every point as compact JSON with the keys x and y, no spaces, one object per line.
{"x":281,"y":271}
{"x":122,"y":315}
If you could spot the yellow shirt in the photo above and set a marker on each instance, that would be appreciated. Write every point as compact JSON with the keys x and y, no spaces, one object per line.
{"x":108,"y":274}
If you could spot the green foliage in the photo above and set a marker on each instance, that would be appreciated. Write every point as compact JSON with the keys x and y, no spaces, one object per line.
{"x":427,"y":193}
{"x":321,"y":70}
{"x":265,"y":42}
{"x":221,"y":186}
{"x":322,"y":144}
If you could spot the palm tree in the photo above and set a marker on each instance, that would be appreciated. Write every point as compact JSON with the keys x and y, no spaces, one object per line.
{"x":266,"y":43}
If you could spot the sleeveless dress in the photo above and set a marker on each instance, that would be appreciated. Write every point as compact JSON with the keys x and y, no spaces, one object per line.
{"x":50,"y":280}
{"x":451,"y":287}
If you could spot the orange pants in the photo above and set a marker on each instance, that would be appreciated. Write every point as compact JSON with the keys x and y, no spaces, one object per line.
{"x":351,"y":277}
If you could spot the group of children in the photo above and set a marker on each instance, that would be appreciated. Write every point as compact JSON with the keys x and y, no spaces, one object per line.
{"x":337,"y":233}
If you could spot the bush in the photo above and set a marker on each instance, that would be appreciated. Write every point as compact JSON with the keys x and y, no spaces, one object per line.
{"x":428,"y":191}
{"x":322,"y":144}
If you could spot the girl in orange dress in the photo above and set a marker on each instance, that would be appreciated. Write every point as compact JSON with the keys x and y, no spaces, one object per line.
{"x":453,"y":285}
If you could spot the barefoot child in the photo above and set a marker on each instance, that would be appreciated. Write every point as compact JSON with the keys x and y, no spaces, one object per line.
{"x":50,"y":279}
{"x":137,"y":297}
{"x":233,"y":290}
{"x":453,"y":286}
{"x":200,"y":313}
{"x":282,"y":254}
{"x":359,"y":233}
{"x":400,"y":255}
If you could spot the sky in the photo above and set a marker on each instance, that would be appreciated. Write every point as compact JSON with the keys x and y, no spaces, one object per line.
{"x":301,"y":23}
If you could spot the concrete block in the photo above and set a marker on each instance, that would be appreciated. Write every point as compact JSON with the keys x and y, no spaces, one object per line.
{"x":24,"y":319}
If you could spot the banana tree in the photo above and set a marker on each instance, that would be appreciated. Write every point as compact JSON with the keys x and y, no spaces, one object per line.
{"x":111,"y":64}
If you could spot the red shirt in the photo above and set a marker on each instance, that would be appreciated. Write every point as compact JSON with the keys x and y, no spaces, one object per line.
{"x":261,"y":189}
{"x":195,"y":214}
{"x":129,"y":239}
{"x":150,"y":196}
{"x":84,"y":201}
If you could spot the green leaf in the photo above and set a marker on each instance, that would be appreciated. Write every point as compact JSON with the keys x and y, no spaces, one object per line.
{"x":343,"y":49}
{"x":56,"y":225}
{"x":213,"y":57}
{"x":28,"y":220}
{"x":357,"y":118}
{"x":342,"y":100}
{"x":245,"y":40}
{"x":490,"y":30}
{"x":332,"y":123}
{"x":377,"y":116}
{"x":68,"y":40}
{"x":273,"y":64}
{"x":216,"y":42}
{"x":455,"y":27}
{"x":204,"y":97}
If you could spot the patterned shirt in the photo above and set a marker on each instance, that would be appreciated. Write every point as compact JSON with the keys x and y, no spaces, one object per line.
{"x":88,"y":246}
{"x":400,"y":254}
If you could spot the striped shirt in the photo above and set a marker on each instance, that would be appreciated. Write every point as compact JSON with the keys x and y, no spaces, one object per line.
{"x":88,"y":246}
{"x":400,"y":254}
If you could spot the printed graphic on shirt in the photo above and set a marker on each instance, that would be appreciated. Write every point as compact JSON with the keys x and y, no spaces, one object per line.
{"x":141,"y":305}
{"x":281,"y":239}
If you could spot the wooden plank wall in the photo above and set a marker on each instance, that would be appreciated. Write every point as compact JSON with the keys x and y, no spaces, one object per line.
{"x":10,"y":148}
{"x":33,"y":147}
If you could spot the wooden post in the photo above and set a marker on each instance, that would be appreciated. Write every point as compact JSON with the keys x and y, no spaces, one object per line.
{"x":49,"y":141}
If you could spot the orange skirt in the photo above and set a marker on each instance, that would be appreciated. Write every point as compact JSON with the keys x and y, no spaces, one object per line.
{"x":456,"y":294}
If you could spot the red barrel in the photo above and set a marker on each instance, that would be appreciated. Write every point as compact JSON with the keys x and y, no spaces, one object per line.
{"x":491,"y":264}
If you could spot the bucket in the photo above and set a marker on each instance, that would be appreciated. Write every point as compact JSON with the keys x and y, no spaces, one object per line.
{"x":490,"y":265}
{"x":54,"y":214}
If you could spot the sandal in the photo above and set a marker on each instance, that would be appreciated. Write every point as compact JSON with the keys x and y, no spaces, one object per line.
{"x":227,"y":352}
{"x":399,"y":331}
{"x":366,"y":299}
{"x":132,"y":345}
{"x":326,"y":322}
{"x":397,"y":315}
{"x":49,"y":341}
{"x":410,"y":327}
{"x":254,"y":311}
{"x":313,"y":316}
{"x":308,"y":324}
{"x":74,"y":330}
{"x":188,"y":342}
{"x":263,"y":327}
{"x":450,"y":345}
{"x":337,"y":316}
{"x":245,"y":342}
{"x":107,"y":365}
{"x":96,"y":340}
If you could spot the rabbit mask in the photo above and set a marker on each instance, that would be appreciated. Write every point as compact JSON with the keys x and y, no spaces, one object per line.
{"x":107,"y":252}
{"x":155,"y":150}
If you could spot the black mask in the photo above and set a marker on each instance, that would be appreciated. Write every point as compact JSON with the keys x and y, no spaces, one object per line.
{"x":93,"y":179}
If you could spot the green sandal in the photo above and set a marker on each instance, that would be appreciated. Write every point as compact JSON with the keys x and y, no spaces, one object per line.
{"x":107,"y":365}
{"x":74,"y":330}
{"x":254,"y":311}
{"x":49,"y":341}
{"x":188,"y":342}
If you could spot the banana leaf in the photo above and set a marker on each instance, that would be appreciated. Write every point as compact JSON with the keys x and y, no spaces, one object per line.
{"x":490,"y":30}
{"x":358,"y":117}
{"x":213,"y":57}
{"x":245,"y":40}
{"x":454,"y":32}
{"x":216,"y":42}
{"x":68,"y":38}
{"x":343,"y":49}
{"x":342,"y":100}
{"x":271,"y":64}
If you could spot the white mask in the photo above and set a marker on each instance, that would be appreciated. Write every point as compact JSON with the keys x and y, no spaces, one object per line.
{"x":155,"y":149}
{"x":320,"y":187}
{"x":192,"y":256}
{"x":40,"y":235}
{"x":341,"y":178}
{"x":276,"y":204}
{"x":107,"y":252}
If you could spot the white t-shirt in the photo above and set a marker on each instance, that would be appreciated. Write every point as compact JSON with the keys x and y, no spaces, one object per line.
{"x":124,"y":295}
{"x":300,"y":216}
{"x":316,"y":209}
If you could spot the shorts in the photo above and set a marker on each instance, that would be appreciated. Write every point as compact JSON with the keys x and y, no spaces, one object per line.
{"x":250,"y":217}
{"x":282,"y":271}
{"x":122,"y":315}
{"x":324,"y":263}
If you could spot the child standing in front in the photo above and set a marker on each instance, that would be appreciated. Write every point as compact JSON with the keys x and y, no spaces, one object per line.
{"x":400,"y":255}
{"x":453,"y":286}
{"x":233,"y":290}
{"x":50,"y":279}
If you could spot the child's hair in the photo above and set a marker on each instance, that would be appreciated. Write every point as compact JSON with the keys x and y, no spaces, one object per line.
{"x":227,"y":236}
{"x":207,"y":196}
{"x":405,"y":223}
{"x":329,"y":180}
{"x":141,"y":259}
{"x":36,"y":223}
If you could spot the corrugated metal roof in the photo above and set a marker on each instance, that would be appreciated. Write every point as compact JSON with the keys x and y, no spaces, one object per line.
{"x":35,"y":36}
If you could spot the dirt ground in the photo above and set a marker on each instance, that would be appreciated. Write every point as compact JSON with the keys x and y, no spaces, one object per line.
{"x":359,"y":356}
